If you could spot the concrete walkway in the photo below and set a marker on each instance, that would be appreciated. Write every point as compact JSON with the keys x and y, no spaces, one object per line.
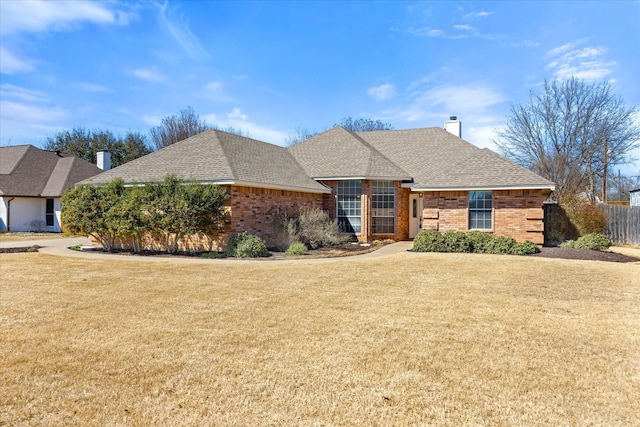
{"x":60,"y":247}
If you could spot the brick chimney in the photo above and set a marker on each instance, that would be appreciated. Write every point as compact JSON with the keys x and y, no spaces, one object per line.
{"x":104,"y":160}
{"x":453,"y":126}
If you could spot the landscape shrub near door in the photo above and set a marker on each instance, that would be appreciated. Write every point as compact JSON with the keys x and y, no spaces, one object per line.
{"x":474,"y":241}
{"x":118,"y":217}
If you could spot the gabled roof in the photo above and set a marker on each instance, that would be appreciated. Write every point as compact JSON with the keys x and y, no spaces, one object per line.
{"x":27,"y":171}
{"x":218,"y":157}
{"x":439,"y":160}
{"x":425,"y":159}
{"x":340,"y":154}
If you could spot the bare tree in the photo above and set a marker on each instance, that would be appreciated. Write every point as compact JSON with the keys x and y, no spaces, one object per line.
{"x":560,"y":134}
{"x":364,"y":125}
{"x":300,"y":134}
{"x":175,"y":128}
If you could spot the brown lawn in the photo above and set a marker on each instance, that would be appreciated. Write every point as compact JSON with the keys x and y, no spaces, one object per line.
{"x":411,"y":339}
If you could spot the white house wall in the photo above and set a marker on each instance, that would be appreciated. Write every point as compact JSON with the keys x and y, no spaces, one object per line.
{"x":3,"y":214}
{"x":27,"y":212}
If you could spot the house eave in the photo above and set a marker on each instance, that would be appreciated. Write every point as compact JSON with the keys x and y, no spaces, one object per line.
{"x":414,"y":187}
{"x":362,"y":177}
{"x":269,"y":186}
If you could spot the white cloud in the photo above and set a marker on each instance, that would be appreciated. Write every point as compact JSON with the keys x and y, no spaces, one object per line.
{"x":91,"y":87}
{"x":213,"y":86}
{"x":12,"y":64}
{"x":382,"y":92}
{"x":147,"y":74}
{"x":8,"y":91}
{"x":453,"y":98}
{"x":587,"y":63}
{"x":179,"y":29}
{"x":43,"y":15}
{"x":236,"y":115}
{"x":464,"y":27}
{"x":239,"y":120}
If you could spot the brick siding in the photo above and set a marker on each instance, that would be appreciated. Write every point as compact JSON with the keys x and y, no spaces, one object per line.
{"x":516,"y":213}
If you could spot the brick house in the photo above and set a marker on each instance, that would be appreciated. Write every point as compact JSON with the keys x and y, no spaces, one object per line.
{"x":31,"y":184}
{"x":378,"y":185}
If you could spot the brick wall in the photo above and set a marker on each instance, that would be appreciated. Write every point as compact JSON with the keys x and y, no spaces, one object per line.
{"x":256,"y":209}
{"x":516,"y":213}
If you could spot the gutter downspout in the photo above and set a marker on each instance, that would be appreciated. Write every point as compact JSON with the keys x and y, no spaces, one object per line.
{"x":9,"y":214}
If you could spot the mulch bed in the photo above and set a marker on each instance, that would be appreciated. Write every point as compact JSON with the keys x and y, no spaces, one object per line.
{"x":583,"y":254}
{"x":33,"y":248}
{"x":351,"y":249}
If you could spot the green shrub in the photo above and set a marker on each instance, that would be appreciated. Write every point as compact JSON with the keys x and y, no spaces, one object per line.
{"x":456,"y":241}
{"x":212,"y":255}
{"x":428,"y":241}
{"x":525,"y":248}
{"x":246,"y":245}
{"x":296,"y":249}
{"x":479,"y":240}
{"x":593,"y":241}
{"x":500,"y":245}
{"x":569,"y":244}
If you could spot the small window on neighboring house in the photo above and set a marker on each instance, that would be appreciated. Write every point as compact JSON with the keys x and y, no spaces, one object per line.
{"x":480,"y":210}
{"x":349,"y":206}
{"x":383,"y":207}
{"x":50,"y":213}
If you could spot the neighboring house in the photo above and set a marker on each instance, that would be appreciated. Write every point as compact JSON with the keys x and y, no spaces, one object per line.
{"x":31,"y":184}
{"x":378,"y":185}
{"x":634,"y":197}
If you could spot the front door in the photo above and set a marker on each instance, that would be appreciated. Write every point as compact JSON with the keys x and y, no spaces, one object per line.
{"x":415,"y":214}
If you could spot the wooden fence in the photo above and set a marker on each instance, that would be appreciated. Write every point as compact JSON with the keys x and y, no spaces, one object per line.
{"x":623,"y":226}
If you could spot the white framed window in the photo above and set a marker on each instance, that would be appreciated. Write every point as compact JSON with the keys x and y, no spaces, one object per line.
{"x":383,"y":207}
{"x":480,"y":210}
{"x":349,"y":200}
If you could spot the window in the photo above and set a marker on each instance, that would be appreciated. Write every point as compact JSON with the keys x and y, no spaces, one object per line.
{"x":49,"y":214}
{"x":383,"y":207}
{"x":480,"y":208}
{"x":349,"y":206}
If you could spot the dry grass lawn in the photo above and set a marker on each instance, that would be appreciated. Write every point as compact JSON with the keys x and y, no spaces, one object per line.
{"x":411,"y":339}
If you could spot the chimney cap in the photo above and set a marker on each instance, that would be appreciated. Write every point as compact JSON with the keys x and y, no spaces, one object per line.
{"x":453,"y":117}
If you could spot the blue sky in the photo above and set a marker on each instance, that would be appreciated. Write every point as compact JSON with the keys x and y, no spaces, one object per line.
{"x":270,"y":67}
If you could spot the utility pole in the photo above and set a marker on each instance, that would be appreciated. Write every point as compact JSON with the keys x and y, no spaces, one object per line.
{"x":604,"y":175}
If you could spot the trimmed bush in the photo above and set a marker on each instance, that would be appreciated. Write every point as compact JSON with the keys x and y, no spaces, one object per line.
{"x":246,"y":245}
{"x":569,"y":244}
{"x":593,"y":241}
{"x":500,"y":245}
{"x":296,"y":249}
{"x":479,"y":240}
{"x":474,"y":241}
{"x":525,"y":248}
{"x":456,"y":241}
{"x":428,"y":241}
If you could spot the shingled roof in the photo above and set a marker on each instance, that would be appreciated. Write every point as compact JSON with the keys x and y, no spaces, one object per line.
{"x":424,"y":159}
{"x":27,"y":171}
{"x":218,"y":157}
{"x":439,"y":160}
